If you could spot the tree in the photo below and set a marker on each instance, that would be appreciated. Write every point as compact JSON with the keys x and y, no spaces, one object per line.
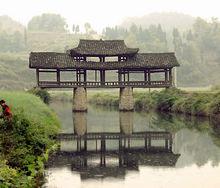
{"x":73,"y":28}
{"x":87,"y":27}
{"x":48,"y":22}
{"x":77,"y":29}
{"x":177,"y":42}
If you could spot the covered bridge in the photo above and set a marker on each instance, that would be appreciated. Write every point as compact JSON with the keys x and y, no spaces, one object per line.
{"x":104,"y":64}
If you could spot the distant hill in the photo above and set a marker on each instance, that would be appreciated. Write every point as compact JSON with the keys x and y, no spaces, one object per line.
{"x":168,"y":20}
{"x":9,"y":25}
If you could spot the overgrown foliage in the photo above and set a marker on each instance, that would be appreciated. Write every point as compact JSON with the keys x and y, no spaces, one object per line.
{"x":172,"y":100}
{"x":42,"y":93}
{"x":25,"y":140}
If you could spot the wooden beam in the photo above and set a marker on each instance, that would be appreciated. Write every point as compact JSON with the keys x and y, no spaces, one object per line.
{"x":48,"y":71}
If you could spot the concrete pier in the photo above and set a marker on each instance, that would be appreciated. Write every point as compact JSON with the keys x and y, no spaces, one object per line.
{"x":126,"y":100}
{"x":79,"y":99}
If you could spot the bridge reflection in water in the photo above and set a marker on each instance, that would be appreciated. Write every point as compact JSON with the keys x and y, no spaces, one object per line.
{"x":111,"y":154}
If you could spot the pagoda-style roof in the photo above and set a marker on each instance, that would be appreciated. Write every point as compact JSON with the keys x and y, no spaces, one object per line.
{"x":53,"y":60}
{"x":102,"y":48}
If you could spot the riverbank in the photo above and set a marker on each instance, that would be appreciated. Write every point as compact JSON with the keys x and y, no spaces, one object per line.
{"x":169,"y":100}
{"x":25,"y":141}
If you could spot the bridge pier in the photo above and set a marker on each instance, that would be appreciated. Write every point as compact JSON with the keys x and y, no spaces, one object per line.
{"x":80,"y":123}
{"x":126,"y":100}
{"x":126,"y":121}
{"x":79,"y":99}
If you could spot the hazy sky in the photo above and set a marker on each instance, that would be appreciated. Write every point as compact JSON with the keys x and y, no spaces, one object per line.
{"x":102,"y":13}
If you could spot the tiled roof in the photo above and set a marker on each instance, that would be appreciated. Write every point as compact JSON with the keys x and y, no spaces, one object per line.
{"x":102,"y":48}
{"x":52,"y":60}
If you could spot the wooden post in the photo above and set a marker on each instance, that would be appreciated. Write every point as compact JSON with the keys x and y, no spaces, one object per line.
{"x":77,"y":77}
{"x":85,"y":144}
{"x":170,"y":143}
{"x":145,"y":75}
{"x":95,"y":75}
{"x":119,"y":58}
{"x":170,"y":77}
{"x":145,"y":142}
{"x":103,"y":76}
{"x":119,"y":76}
{"x":149,"y":142}
{"x":128,"y":76}
{"x":37,"y":76}
{"x":58,"y":76}
{"x":166,"y":75}
{"x":166,"y":144}
{"x":148,"y":75}
{"x":85,"y":76}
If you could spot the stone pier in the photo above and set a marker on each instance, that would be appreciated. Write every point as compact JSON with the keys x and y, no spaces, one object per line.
{"x":126,"y":121}
{"x":79,"y":99}
{"x":126,"y":100}
{"x":80,"y":123}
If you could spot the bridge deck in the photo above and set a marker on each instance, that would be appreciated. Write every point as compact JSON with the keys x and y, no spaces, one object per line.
{"x":112,"y":84}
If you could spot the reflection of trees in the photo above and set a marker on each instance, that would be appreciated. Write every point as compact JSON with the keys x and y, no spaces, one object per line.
{"x":174,"y":123}
{"x":194,"y":137}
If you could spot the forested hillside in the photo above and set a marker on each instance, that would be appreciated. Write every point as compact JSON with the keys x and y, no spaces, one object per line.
{"x":195,"y":42}
{"x":168,"y":20}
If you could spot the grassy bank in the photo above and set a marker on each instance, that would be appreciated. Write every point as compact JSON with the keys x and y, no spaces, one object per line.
{"x":173,"y":100}
{"x":25,"y":141}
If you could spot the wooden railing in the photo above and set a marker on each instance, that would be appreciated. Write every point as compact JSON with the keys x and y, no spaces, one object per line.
{"x":115,"y":136}
{"x":113,"y":84}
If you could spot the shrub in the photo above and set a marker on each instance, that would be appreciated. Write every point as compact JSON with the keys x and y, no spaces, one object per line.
{"x":42,"y":93}
{"x":25,"y":139}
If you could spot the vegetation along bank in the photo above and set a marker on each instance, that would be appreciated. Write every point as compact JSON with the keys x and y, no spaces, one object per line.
{"x":25,"y":140}
{"x":171,"y":100}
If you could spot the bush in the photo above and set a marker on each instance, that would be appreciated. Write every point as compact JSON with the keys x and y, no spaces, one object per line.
{"x":42,"y":93}
{"x":172,"y":100}
{"x":25,"y":139}
{"x":165,"y":99}
{"x":214,"y":105}
{"x":143,"y":101}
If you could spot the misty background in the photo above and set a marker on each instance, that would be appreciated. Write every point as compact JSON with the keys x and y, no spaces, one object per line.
{"x":194,"y":39}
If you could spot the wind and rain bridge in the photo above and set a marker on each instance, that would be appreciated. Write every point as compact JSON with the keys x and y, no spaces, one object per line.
{"x":103,"y":64}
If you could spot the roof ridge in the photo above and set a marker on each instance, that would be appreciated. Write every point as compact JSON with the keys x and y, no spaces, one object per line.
{"x":96,"y":40}
{"x":156,"y":53}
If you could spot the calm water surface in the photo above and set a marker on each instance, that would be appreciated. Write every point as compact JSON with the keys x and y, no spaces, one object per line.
{"x":145,"y":150}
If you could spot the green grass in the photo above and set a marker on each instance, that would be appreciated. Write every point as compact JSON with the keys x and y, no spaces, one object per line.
{"x":172,"y":100}
{"x":26,"y":140}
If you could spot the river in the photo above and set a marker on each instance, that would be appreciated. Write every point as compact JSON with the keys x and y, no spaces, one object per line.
{"x":107,"y":148}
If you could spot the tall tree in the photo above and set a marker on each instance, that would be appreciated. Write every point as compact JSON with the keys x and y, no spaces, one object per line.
{"x":48,"y":22}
